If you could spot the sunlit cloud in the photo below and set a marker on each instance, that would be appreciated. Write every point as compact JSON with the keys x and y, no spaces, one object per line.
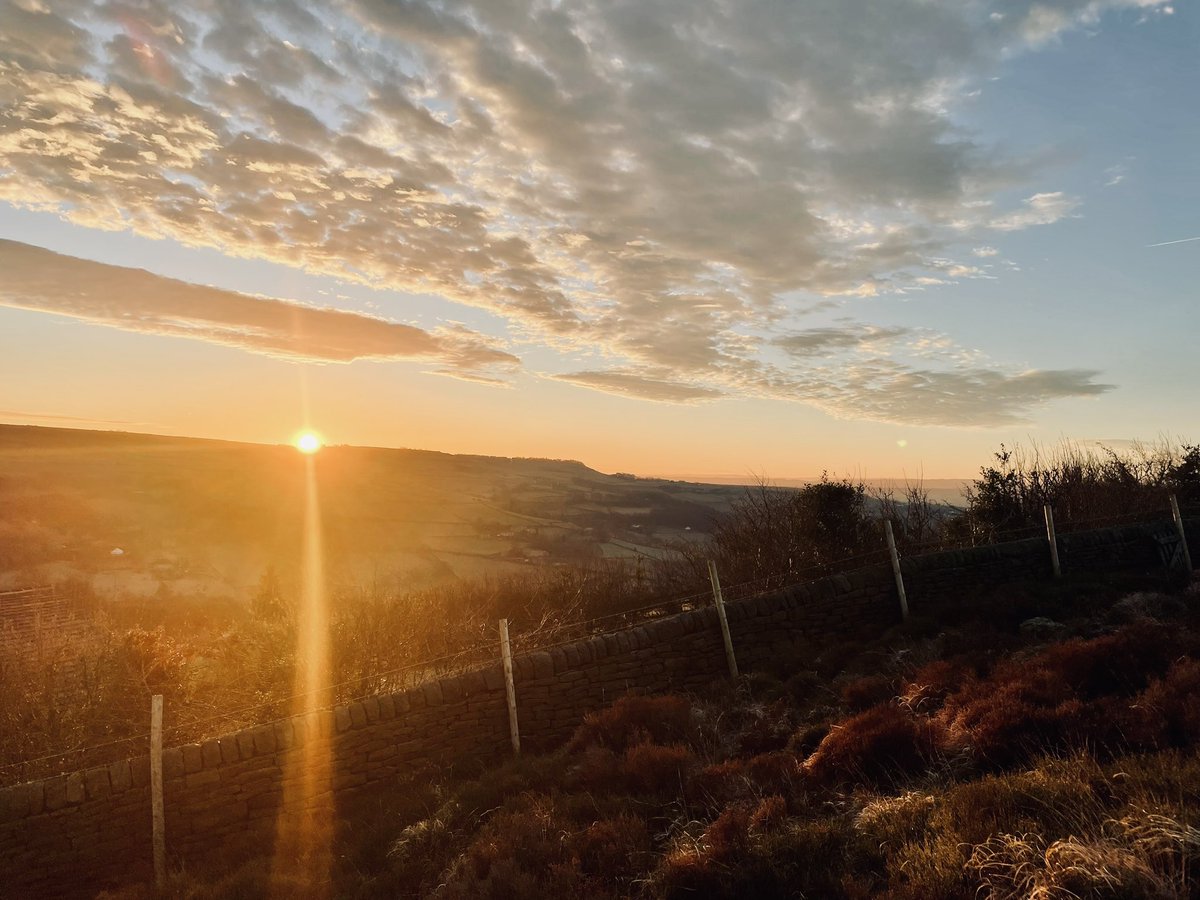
{"x":643,"y":387}
{"x":135,"y":300}
{"x":670,"y":185}
{"x":1040,"y":209}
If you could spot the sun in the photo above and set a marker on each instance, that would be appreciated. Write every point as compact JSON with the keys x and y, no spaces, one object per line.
{"x":308,"y":442}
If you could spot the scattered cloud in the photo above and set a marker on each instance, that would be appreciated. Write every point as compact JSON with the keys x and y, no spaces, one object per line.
{"x":641,"y":386}
{"x":985,"y":252}
{"x":136,"y":300}
{"x":17,"y":416}
{"x":662,"y":184}
{"x":824,"y":341}
{"x":1040,"y":209}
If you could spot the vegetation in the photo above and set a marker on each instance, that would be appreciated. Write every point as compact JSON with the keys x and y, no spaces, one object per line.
{"x":971,"y":760}
{"x":223,"y":665}
{"x":978,"y":761}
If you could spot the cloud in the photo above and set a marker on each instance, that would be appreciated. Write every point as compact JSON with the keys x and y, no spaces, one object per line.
{"x":985,"y":252}
{"x":669,"y":184}
{"x":968,"y":396}
{"x":1040,"y":209}
{"x":643,"y":387}
{"x":822,"y":341}
{"x":136,"y":300}
{"x":11,"y":415}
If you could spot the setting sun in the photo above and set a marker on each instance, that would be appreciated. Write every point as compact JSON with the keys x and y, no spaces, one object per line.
{"x":308,"y":443}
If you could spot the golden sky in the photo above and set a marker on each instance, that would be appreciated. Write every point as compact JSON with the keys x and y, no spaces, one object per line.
{"x":661,"y":238}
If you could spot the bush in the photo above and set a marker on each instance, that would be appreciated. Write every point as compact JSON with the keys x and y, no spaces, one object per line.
{"x":656,"y":769}
{"x":1078,"y":693}
{"x":734,"y":860}
{"x":1168,"y":711}
{"x":634,"y":720}
{"x":879,"y":745}
{"x":870,"y":690}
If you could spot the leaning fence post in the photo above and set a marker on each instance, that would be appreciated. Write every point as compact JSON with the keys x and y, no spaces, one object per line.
{"x":891,"y":542}
{"x":1053,"y":539}
{"x":716,"y":586}
{"x":514,"y":732}
{"x":158,"y":836}
{"x":1178,"y":517}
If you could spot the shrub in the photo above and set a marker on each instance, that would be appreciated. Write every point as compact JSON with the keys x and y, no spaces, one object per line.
{"x":1168,"y":711}
{"x":634,"y":720}
{"x":542,"y":849}
{"x":656,"y":769}
{"x":807,"y":738}
{"x":934,"y":681}
{"x":731,"y":860}
{"x":768,"y":815}
{"x":1074,"y":694}
{"x":870,"y":690}
{"x":766,"y":732}
{"x":611,"y":848}
{"x":881,"y":744}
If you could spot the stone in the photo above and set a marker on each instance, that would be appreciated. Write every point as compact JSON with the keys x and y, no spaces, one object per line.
{"x":193,"y":758}
{"x":452,"y":689}
{"x":245,"y":744}
{"x":75,"y":787}
{"x":229,"y":749}
{"x":370,"y":706}
{"x":139,"y":769}
{"x":543,"y":664}
{"x":264,"y":739}
{"x":493,"y":677}
{"x":200,"y":779}
{"x":120,"y":776}
{"x":210,"y":751}
{"x":433,"y":693}
{"x":387,"y":707}
{"x":172,"y":762}
{"x":56,"y":792}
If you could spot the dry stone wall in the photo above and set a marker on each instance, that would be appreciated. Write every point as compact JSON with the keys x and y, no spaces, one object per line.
{"x":73,"y":834}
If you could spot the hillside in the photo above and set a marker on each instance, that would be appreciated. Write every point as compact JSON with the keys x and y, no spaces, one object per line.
{"x":997,"y":756}
{"x":206,"y":518}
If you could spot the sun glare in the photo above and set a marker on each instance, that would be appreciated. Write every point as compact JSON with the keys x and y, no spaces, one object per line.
{"x":308,"y":443}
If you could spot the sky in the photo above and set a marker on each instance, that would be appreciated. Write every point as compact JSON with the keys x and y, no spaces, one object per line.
{"x":683,"y":237}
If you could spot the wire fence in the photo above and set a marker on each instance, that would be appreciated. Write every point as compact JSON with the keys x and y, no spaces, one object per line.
{"x":535,"y":637}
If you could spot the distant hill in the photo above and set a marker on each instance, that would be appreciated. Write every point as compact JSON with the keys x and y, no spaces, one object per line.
{"x":206,"y":518}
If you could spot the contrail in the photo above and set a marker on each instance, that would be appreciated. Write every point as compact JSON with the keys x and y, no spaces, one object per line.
{"x":1181,"y":241}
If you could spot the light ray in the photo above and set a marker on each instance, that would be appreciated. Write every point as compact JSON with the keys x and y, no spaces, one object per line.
{"x":304,"y":834}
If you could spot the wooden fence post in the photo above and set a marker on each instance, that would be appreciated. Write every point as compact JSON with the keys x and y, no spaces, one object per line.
{"x":514,"y":732}
{"x":1178,"y":517}
{"x":720,"y":601}
{"x":891,"y":542}
{"x":1053,"y":539}
{"x":156,"y":791}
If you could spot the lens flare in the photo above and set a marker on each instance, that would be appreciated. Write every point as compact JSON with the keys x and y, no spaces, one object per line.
{"x":304,"y":837}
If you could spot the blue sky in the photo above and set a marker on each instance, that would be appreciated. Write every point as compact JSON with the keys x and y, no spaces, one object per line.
{"x":878,"y":239}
